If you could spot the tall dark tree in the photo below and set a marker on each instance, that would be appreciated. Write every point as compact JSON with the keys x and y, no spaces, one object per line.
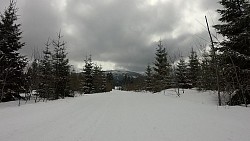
{"x":235,"y":18}
{"x":161,"y":69}
{"x":11,"y":62}
{"x":75,"y":82}
{"x":98,"y":79}
{"x":61,"y":68}
{"x":46,"y":74}
{"x":194,"y":67}
{"x":104,"y":82}
{"x":127,"y":82}
{"x":148,"y":80}
{"x":33,"y":72}
{"x":235,"y":27}
{"x":207,"y":75}
{"x":109,"y":82}
{"x":88,"y":87}
{"x":182,"y":74}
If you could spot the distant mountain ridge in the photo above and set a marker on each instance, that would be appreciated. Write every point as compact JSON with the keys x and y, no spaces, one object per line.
{"x":118,"y":72}
{"x":119,"y":75}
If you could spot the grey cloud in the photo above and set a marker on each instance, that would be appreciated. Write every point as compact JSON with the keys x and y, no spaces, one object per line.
{"x":118,"y":31}
{"x":209,"y":4}
{"x":39,"y":22}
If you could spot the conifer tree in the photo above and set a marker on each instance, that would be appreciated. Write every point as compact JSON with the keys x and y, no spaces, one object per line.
{"x":104,"y":82}
{"x":148,"y":79}
{"x":161,"y":69}
{"x":194,"y":68}
{"x":235,"y":27}
{"x":109,"y":82}
{"x":75,"y":82}
{"x":33,"y":72}
{"x":11,"y":62}
{"x":61,"y":68}
{"x":182,"y":74}
{"x":127,"y":81}
{"x":235,"y":18}
{"x":46,"y":75}
{"x":88,"y":87}
{"x":98,"y":79}
{"x":207,"y":74}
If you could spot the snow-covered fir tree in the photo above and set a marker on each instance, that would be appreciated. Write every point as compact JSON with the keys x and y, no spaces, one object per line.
{"x":182,"y":74}
{"x":75,"y":82}
{"x":46,"y":78}
{"x":104,"y":82}
{"x":98,"y":79}
{"x":161,"y":68}
{"x":12,"y":63}
{"x":61,"y":68}
{"x":235,"y":48}
{"x":33,"y":72}
{"x":109,"y":82}
{"x":148,"y":79}
{"x":235,"y":17}
{"x":193,"y":68}
{"x":207,"y":77}
{"x":88,"y":87}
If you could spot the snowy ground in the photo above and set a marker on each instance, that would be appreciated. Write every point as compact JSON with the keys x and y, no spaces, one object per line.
{"x":126,"y":116}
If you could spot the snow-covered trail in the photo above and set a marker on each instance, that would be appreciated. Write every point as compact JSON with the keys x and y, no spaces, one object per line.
{"x":124,"y":116}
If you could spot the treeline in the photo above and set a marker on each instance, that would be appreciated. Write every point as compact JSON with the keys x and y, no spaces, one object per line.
{"x":51,"y":77}
{"x":132,"y":83}
{"x":226,"y":68}
{"x":48,"y":77}
{"x":164,"y":74}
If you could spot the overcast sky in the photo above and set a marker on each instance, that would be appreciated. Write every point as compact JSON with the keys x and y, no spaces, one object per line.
{"x":120,"y":34}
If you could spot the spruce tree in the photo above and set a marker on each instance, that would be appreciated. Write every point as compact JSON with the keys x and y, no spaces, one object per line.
{"x":109,"y":82}
{"x":88,"y":87}
{"x":61,"y":68}
{"x":126,"y":82}
{"x":75,"y":82}
{"x":235,"y":18}
{"x":193,"y":68}
{"x":33,"y":73}
{"x":97,"y":79}
{"x":46,"y":77}
{"x":207,"y":74}
{"x":148,"y":79}
{"x":11,"y":62}
{"x":182,"y":74}
{"x":104,"y":82}
{"x":235,"y":27}
{"x":161,"y":69}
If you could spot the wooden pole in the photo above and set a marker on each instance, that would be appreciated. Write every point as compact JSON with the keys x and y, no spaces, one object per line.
{"x":215,"y":63}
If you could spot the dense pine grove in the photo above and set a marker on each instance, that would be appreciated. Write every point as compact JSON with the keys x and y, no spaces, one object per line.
{"x":224,"y":68}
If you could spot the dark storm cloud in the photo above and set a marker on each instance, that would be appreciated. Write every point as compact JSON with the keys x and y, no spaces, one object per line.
{"x":123,"y":32}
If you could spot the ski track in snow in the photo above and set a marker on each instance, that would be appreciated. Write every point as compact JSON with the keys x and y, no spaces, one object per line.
{"x":126,"y":116}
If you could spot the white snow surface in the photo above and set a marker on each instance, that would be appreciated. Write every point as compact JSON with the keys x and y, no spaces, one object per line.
{"x":126,"y":116}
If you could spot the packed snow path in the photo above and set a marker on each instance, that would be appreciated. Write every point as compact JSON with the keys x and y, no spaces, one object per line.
{"x":126,"y":116}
